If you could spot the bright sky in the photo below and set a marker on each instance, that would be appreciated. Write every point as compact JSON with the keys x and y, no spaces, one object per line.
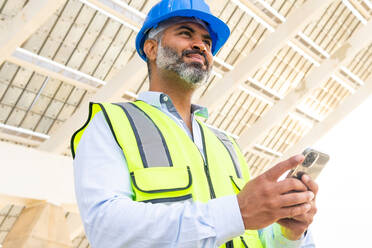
{"x":345,"y":198}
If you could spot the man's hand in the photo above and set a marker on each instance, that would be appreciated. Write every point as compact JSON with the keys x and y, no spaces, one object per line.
{"x":264,"y":200}
{"x":293,"y":228}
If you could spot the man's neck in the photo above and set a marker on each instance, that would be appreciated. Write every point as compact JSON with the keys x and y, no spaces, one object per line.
{"x":180,"y":95}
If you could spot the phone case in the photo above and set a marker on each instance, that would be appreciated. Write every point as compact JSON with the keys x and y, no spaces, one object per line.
{"x":313,"y":164}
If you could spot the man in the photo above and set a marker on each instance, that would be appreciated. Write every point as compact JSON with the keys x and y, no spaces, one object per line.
{"x":148,"y":174}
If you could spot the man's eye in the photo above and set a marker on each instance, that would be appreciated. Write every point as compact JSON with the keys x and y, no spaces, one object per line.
{"x":208,"y":43}
{"x":186,"y":33}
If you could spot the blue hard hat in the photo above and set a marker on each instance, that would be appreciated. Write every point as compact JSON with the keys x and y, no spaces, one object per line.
{"x":166,"y":9}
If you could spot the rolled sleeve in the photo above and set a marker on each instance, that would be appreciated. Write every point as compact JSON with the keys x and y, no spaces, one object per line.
{"x":281,"y":241}
{"x":272,"y":237}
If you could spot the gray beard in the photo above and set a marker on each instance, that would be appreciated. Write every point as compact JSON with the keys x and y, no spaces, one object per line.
{"x":193,"y":73}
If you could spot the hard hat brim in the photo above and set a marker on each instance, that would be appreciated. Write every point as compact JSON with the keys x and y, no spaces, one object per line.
{"x":218,"y":30}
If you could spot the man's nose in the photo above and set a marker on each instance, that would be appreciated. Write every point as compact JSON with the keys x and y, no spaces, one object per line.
{"x":199,"y":45}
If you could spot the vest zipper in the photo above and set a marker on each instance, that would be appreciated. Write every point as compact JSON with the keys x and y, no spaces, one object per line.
{"x":211,"y":190}
{"x":206,"y":167}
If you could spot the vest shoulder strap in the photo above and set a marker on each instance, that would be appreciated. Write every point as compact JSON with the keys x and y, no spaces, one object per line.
{"x":151,"y":143}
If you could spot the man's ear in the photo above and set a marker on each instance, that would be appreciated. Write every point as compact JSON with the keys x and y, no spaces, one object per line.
{"x":151,"y":49}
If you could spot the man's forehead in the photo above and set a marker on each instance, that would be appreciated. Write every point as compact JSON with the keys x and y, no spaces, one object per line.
{"x":198,"y":27}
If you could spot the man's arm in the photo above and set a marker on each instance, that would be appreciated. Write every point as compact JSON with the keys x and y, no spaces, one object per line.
{"x":112,"y":219}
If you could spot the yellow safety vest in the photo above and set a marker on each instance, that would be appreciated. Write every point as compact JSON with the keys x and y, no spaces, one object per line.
{"x":166,"y":166}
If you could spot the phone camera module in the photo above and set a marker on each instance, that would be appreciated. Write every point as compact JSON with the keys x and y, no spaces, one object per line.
{"x":310,"y":159}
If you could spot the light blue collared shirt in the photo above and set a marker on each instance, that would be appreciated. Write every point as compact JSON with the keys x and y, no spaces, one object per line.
{"x":112,"y":219}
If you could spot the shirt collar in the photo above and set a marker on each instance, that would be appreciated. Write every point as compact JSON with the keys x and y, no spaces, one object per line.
{"x":156,"y":99}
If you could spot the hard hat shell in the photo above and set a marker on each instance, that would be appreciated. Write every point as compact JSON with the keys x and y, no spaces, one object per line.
{"x":166,"y":9}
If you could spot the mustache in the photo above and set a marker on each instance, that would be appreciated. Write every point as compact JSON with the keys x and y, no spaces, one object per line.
{"x":189,"y":52}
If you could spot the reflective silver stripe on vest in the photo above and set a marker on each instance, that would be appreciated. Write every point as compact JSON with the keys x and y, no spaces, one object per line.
{"x":230,"y":148}
{"x":151,"y":143}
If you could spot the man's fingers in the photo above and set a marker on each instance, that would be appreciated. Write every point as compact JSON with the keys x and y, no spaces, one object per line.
{"x":296,"y":198}
{"x":291,"y":223}
{"x":287,"y":222}
{"x":291,"y":184}
{"x":275,"y":172}
{"x":292,"y":229}
{"x":308,"y":217}
{"x":310,"y":183}
{"x":289,"y":212}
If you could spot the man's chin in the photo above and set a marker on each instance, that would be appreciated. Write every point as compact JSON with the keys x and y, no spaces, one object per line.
{"x":197,"y":65}
{"x":193,"y":82}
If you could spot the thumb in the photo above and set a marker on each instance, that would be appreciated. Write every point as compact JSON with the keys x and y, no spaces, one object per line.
{"x":275,"y":172}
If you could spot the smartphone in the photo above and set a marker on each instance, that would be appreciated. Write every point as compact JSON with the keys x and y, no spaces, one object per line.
{"x":312,"y":165}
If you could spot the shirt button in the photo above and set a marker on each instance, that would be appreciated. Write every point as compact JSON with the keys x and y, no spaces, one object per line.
{"x":165,"y":98}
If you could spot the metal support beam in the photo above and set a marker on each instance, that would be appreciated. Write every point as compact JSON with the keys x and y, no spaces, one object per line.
{"x":22,"y":131}
{"x":304,"y":51}
{"x":18,"y":139}
{"x":351,"y":76}
{"x":55,"y":70}
{"x":118,"y":11}
{"x":316,"y":77}
{"x":344,"y":82}
{"x":268,"y":151}
{"x":355,"y":11}
{"x":114,"y":89}
{"x":270,"y":46}
{"x":321,"y":128}
{"x":270,"y":97}
{"x":25,"y":23}
{"x":361,"y":8}
{"x":256,"y":14}
{"x":309,"y":42}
